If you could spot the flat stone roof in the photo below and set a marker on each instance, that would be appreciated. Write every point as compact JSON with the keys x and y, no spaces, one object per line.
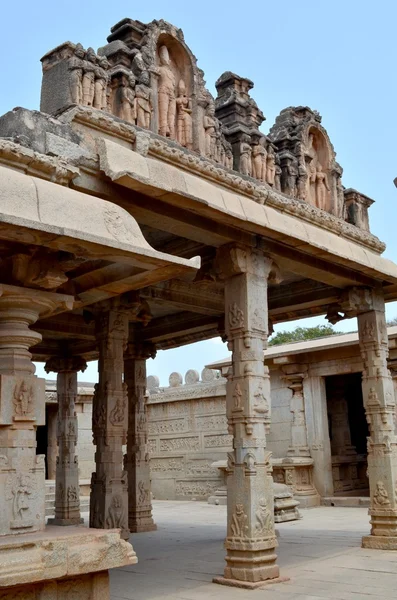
{"x":304,"y":347}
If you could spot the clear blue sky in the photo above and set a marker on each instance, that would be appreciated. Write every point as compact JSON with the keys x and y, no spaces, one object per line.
{"x":336,"y":57}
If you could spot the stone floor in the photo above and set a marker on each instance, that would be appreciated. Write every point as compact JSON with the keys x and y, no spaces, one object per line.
{"x":321,"y":554}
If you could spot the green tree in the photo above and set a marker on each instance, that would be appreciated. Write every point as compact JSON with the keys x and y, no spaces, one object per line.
{"x":302,"y":333}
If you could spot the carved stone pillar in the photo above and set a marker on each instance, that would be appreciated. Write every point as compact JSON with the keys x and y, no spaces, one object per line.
{"x":298,"y":466}
{"x":67,"y":495}
{"x":251,"y":540}
{"x":137,"y":457}
{"x":379,"y":402}
{"x":22,"y":409}
{"x":294,"y":380}
{"x":109,"y":487}
{"x":52,"y":446}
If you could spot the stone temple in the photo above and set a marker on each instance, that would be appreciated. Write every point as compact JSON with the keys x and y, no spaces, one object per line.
{"x":139,"y":213}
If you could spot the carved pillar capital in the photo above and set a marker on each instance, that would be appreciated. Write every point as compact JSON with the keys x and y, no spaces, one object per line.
{"x":140,"y":350}
{"x":70,"y":364}
{"x":235,"y":259}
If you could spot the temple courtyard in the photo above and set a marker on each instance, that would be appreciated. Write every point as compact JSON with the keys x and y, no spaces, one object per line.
{"x":321,"y":554}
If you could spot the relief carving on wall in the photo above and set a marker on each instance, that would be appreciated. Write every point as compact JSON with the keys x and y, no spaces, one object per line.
{"x":21,"y":489}
{"x":23,"y":401}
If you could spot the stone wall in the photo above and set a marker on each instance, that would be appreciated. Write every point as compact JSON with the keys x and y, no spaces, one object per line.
{"x":188,"y":432}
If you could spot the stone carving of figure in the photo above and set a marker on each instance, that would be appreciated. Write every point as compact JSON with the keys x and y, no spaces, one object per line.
{"x":210,"y":130}
{"x":143,"y":101}
{"x":184,"y":131}
{"x":245,"y":156}
{"x":116,"y":416}
{"x":270,"y":166}
{"x":76,"y":64}
{"x":228,"y":156}
{"x":89,"y":77}
{"x":100,"y":86}
{"x":239,"y":523}
{"x":259,"y":159}
{"x":322,"y":188}
{"x":264,"y":518}
{"x":166,"y":92}
{"x":302,"y":179}
{"x":23,"y":399}
{"x":127,"y":99}
{"x":381,"y":497}
{"x":292,"y":175}
{"x":115,"y":518}
{"x":20,"y":488}
{"x":277,"y":178}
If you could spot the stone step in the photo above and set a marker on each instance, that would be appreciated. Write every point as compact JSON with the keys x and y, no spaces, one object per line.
{"x":346,"y":501}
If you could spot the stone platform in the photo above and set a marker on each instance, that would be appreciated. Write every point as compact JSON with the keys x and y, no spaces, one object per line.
{"x":56,"y":562}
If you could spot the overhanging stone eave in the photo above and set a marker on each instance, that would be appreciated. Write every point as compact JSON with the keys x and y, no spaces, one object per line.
{"x":168,"y":183}
{"x":40,"y":213}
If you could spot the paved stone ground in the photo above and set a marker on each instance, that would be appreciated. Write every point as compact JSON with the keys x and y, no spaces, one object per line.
{"x":321,"y":554}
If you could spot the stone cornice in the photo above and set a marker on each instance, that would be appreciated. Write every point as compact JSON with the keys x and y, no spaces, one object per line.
{"x":52,"y":168}
{"x":188,"y":392}
{"x":260,"y":192}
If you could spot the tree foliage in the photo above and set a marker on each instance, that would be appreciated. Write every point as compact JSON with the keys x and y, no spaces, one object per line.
{"x":392,"y":322}
{"x":302,"y":333}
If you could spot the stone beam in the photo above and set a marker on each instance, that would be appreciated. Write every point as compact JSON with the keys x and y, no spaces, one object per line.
{"x":204,"y":299}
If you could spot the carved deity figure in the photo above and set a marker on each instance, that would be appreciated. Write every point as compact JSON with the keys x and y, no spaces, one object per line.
{"x":116,"y":416}
{"x":321,"y":187}
{"x":291,"y":179}
{"x":100,"y":86}
{"x":270,"y":166}
{"x":127,"y":99}
{"x":277,"y":178}
{"x":381,"y":497}
{"x":143,"y":493}
{"x":184,"y":117}
{"x":166,"y":93}
{"x":23,"y":399}
{"x":76,"y":64}
{"x":228,"y":157}
{"x":20,"y":488}
{"x":239,"y":523}
{"x":209,"y":123}
{"x":245,"y":156}
{"x":302,"y":179}
{"x":264,"y":518}
{"x":89,"y":77}
{"x":259,"y":159}
{"x":116,"y":514}
{"x":143,"y":101}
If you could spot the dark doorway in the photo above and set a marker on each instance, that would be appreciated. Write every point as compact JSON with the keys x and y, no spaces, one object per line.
{"x":348,"y":432}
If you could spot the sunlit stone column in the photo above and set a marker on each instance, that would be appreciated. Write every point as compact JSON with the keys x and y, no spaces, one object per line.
{"x":109,"y":487}
{"x":379,"y":403}
{"x":251,"y":540}
{"x":67,"y":495}
{"x":137,"y":457}
{"x":22,"y":409}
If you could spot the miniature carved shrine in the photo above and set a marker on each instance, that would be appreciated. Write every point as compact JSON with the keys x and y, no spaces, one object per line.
{"x":129,"y":172}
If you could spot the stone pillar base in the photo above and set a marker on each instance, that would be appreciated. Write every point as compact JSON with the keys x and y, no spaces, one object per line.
{"x":65,"y":522}
{"x":379,"y":542}
{"x":56,"y":563}
{"x":142,"y":527}
{"x":248,"y":585}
